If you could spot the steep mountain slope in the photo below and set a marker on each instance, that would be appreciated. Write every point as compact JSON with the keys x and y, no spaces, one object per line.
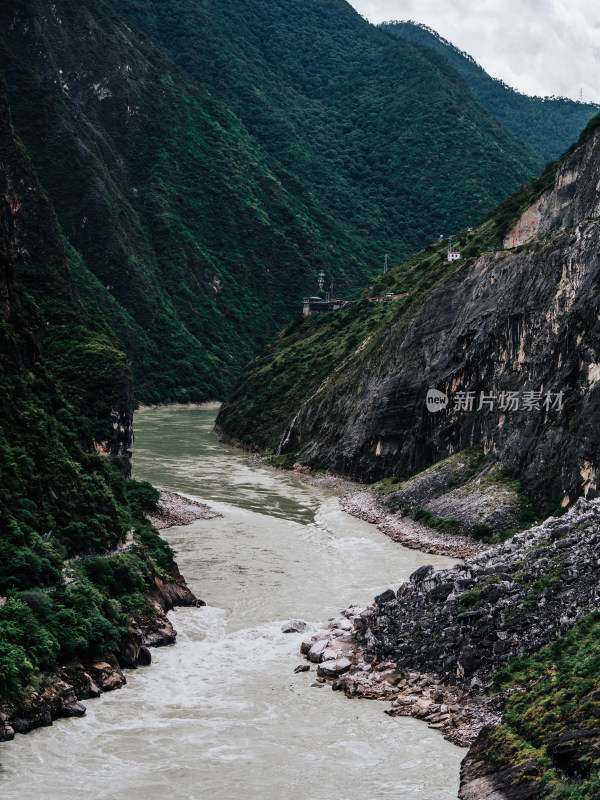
{"x":199,"y":242}
{"x":392,"y":144}
{"x":502,"y":650}
{"x":547,"y":124}
{"x":521,"y":321}
{"x":64,"y":436}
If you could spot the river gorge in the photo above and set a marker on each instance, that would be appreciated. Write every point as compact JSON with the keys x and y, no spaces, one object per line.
{"x":221,"y":714}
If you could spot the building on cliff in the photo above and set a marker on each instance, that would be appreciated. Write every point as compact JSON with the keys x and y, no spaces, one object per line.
{"x":316,"y":305}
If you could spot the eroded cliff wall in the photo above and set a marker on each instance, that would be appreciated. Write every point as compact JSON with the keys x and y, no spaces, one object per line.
{"x":522,"y":321}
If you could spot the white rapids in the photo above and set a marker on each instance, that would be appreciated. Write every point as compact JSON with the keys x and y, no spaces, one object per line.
{"x":221,"y":715}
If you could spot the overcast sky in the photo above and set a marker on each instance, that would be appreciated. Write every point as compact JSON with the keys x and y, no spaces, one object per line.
{"x":542,"y":47}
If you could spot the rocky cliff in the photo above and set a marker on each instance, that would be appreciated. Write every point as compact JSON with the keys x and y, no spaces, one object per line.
{"x":499,"y":652}
{"x":509,"y":340}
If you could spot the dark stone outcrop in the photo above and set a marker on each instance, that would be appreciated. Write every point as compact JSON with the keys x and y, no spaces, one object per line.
{"x":465,"y":623}
{"x":513,"y":320}
{"x":482,"y":779}
{"x":434,"y":647}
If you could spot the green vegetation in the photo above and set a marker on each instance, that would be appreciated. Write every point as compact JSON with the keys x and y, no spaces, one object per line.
{"x":306,"y":356}
{"x":441,"y":525}
{"x":548,"y":124}
{"x":63,"y":485}
{"x":316,"y":349}
{"x":550,"y":724}
{"x":199,"y":201}
{"x":468,"y":600}
{"x":182,"y":232}
{"x":392,"y":143}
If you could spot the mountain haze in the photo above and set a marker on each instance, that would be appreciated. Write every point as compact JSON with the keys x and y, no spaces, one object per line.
{"x":547,"y":124}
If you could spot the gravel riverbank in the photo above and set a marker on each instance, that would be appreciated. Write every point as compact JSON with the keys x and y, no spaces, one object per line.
{"x":175,"y":509}
{"x":364,"y":504}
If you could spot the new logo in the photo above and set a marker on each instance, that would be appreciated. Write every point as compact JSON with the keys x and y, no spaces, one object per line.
{"x":436,"y":400}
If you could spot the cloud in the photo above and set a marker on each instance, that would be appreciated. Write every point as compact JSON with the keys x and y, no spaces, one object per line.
{"x":541,"y":47}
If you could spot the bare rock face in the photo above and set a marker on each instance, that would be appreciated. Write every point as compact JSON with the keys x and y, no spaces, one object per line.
{"x":129,"y":649}
{"x":107,"y":676}
{"x":481,"y":779}
{"x":158,"y":631}
{"x":465,"y":623}
{"x":519,"y":320}
{"x":82,"y":682}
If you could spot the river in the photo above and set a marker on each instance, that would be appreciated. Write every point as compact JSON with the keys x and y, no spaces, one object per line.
{"x":221,"y":715}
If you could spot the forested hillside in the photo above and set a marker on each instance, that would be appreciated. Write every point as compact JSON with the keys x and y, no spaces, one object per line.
{"x":204,"y":199}
{"x":65,"y":431}
{"x":548,"y":124}
{"x":393,"y":145}
{"x":346,"y":391}
{"x":201,"y":244}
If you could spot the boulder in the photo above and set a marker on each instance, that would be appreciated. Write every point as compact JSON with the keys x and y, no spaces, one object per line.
{"x":385,"y":597}
{"x":315,"y":654}
{"x":295,"y":626}
{"x":144,"y":657}
{"x":332,"y":669}
{"x":305,"y":646}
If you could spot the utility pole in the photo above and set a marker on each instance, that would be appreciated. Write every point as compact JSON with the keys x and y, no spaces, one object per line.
{"x":385,"y":264}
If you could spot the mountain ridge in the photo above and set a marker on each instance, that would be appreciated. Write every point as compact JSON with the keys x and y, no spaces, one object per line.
{"x":368,"y":419}
{"x":559,"y":119}
{"x":347,"y":109}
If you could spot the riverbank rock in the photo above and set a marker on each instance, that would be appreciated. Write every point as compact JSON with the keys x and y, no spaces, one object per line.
{"x":158,"y":631}
{"x":107,"y":676}
{"x":81,"y":681}
{"x":334,"y":668}
{"x":315,"y":653}
{"x":433,"y":647}
{"x":373,"y":508}
{"x":481,"y":779}
{"x":175,"y":509}
{"x":295,"y":626}
{"x":63,"y":692}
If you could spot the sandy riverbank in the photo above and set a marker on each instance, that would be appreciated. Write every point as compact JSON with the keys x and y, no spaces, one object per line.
{"x":175,"y":509}
{"x":362,"y":502}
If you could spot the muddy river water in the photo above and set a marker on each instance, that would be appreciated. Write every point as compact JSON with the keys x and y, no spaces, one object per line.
{"x":221,"y":715}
